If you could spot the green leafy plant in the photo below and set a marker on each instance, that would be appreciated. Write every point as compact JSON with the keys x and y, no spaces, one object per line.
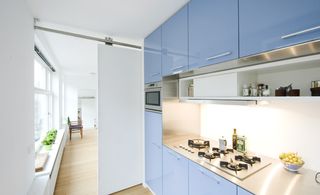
{"x":50,"y":137}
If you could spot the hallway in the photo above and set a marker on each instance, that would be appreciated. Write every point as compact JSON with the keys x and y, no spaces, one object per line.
{"x":78,"y":170}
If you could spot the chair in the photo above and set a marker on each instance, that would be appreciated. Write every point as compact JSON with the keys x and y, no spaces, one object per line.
{"x":75,"y":126}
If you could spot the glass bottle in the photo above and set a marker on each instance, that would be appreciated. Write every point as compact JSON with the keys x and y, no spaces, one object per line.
{"x":253,"y":89}
{"x":245,"y":90}
{"x":266,"y":91}
{"x":234,"y":139}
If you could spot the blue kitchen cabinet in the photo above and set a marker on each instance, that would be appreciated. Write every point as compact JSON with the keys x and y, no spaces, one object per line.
{"x":175,"y":43}
{"x":152,"y":57}
{"x":205,"y":182}
{"x":213,"y":32}
{"x":271,"y":24}
{"x":175,"y":173}
{"x":153,"y":151}
{"x":243,"y":192}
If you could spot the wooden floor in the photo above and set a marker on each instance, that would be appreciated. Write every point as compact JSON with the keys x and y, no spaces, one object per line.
{"x":78,"y":170}
{"x":136,"y":190}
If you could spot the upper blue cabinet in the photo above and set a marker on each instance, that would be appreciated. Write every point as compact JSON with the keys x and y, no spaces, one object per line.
{"x":271,"y":24}
{"x":213,"y":32}
{"x":175,"y":43}
{"x":152,"y":57}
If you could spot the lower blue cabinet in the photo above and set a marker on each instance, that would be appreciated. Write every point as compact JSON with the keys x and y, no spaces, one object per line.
{"x":241,"y":191}
{"x":205,"y":182}
{"x":153,"y":151}
{"x":175,"y":173}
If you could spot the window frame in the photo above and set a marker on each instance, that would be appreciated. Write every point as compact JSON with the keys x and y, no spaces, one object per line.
{"x":49,"y":94}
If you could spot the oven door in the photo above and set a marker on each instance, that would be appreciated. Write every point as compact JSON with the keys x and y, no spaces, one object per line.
{"x":153,"y":99}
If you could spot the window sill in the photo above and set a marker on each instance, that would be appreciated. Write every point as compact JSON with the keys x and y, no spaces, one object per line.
{"x":57,"y":147}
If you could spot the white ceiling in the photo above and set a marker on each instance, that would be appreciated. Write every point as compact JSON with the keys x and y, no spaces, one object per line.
{"x":123,"y":20}
{"x":132,"y":19}
{"x":73,"y":55}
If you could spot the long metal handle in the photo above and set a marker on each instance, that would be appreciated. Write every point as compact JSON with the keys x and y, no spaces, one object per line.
{"x":173,"y":154}
{"x":211,"y":177}
{"x":300,"y":32}
{"x":176,"y":68}
{"x":155,"y":74}
{"x":152,"y":110}
{"x":219,"y":55}
{"x":156,"y":145}
{"x":177,"y":72}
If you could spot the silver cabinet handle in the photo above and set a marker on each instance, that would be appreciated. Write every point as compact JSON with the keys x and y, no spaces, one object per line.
{"x":156,"y":145}
{"x":300,"y":32}
{"x":211,"y":177}
{"x":177,"y":72}
{"x":173,"y":154}
{"x":155,"y":74}
{"x":219,"y":55}
{"x":176,"y":68}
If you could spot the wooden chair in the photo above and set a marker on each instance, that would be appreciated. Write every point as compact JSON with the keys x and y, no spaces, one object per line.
{"x":75,"y":126}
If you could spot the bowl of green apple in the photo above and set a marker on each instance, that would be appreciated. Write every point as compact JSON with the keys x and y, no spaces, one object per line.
{"x":291,"y":161}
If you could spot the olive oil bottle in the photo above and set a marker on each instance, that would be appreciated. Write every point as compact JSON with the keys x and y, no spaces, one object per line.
{"x":234,"y":139}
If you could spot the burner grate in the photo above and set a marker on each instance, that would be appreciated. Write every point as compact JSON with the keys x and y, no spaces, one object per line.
{"x":247,"y":159}
{"x":234,"y":166}
{"x":227,"y":151}
{"x":198,"y":143}
{"x":208,"y":155}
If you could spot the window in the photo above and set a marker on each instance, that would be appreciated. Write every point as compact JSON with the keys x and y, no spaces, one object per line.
{"x":42,"y":99}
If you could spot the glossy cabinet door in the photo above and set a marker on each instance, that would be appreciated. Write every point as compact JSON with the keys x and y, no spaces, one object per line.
{"x":205,"y":182}
{"x":270,"y":24}
{"x":175,"y":43}
{"x":213,"y":32}
{"x":152,"y":57}
{"x":153,"y":151}
{"x":175,"y":173}
{"x":241,"y":191}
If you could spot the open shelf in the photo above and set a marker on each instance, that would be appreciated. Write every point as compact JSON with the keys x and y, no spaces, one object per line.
{"x":227,"y":85}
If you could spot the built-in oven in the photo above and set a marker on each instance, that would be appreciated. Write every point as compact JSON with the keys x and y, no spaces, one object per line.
{"x":153,"y":96}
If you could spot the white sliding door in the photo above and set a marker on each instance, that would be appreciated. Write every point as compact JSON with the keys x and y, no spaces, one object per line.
{"x":120,"y":117}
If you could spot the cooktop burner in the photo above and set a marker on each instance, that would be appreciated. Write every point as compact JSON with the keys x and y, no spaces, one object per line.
{"x":198,"y":143}
{"x":209,"y":155}
{"x":229,"y":161}
{"x":227,"y":151}
{"x":247,"y":159}
{"x":234,"y":166}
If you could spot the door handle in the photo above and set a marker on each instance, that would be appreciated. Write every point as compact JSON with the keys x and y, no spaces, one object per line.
{"x":219,"y":55}
{"x":300,"y":32}
{"x":209,"y":176}
{"x":176,"y":68}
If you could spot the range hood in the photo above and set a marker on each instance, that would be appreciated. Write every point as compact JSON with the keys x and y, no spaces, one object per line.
{"x":295,"y":51}
{"x":223,"y":101}
{"x":300,"y":50}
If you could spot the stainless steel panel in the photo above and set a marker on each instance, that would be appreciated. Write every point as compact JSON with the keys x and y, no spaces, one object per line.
{"x":303,"y":49}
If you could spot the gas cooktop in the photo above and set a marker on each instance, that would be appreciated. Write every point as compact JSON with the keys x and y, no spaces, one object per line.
{"x":229,"y":161}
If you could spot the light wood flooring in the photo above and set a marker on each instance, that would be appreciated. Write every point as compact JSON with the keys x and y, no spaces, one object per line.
{"x":78,"y":169}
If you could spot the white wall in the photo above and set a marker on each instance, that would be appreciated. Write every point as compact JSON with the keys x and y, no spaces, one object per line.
{"x":56,"y":100}
{"x":17,"y":97}
{"x":70,"y":102}
{"x":89,"y":112}
{"x":182,"y":117}
{"x":120,"y":107}
{"x":86,"y":85}
{"x":271,"y":129}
